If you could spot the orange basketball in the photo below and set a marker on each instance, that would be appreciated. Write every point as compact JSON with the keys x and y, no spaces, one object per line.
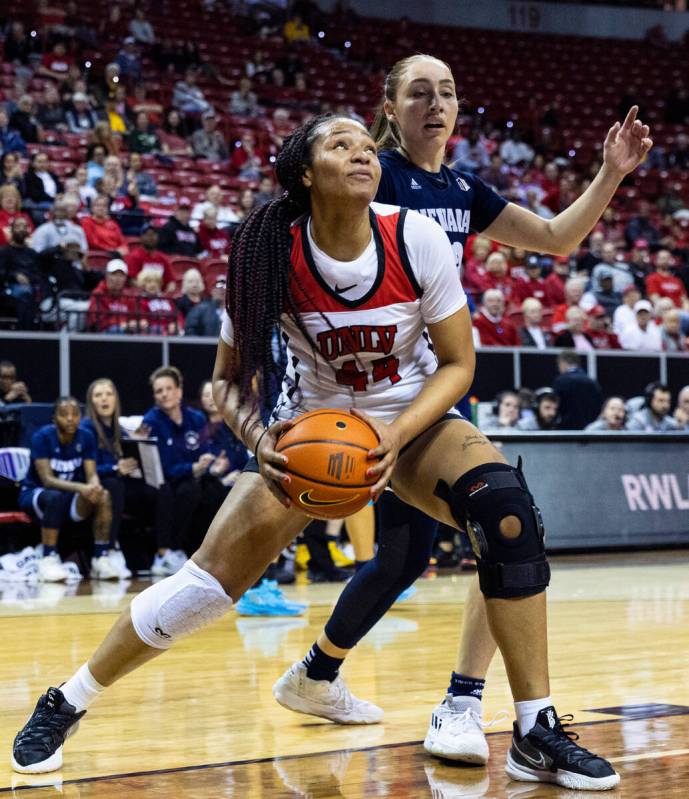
{"x":327,"y":451}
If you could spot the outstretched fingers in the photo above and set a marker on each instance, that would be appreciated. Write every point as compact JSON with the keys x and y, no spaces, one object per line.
{"x":612,"y":134}
{"x":630,"y":118}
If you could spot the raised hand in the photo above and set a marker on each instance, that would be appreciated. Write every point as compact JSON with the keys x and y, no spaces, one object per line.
{"x":627,"y":144}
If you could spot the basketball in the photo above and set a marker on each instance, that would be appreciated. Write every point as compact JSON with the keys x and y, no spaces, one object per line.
{"x":327,"y":451}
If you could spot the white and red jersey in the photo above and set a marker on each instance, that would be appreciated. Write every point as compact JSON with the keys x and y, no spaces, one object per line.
{"x":367,"y":317}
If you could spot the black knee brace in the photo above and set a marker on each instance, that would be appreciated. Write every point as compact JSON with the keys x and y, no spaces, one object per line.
{"x":480,"y":500}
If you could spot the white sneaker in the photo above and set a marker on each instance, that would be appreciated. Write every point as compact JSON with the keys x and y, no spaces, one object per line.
{"x":19,"y":567}
{"x":165,"y":565}
{"x":51,"y":570}
{"x":116,"y":557}
{"x":73,"y":573}
{"x":180,"y":556}
{"x":456,"y":731}
{"x":103,"y":568}
{"x":328,"y":700}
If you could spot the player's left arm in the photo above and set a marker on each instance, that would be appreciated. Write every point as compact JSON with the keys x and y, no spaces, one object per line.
{"x":625,"y":147}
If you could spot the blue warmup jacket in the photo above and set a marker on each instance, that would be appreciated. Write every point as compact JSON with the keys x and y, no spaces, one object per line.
{"x":180,"y":445}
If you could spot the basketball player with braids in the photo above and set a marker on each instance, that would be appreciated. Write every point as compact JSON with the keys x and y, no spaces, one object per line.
{"x":416,"y":118}
{"x":289,"y":259}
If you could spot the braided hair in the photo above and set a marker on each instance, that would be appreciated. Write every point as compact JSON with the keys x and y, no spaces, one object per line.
{"x":260,"y":269}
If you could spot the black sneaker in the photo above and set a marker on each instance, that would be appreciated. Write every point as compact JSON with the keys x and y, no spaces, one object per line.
{"x":331,"y":575}
{"x":280,"y":574}
{"x":548,"y":753}
{"x":446,"y":559}
{"x":38,"y":747}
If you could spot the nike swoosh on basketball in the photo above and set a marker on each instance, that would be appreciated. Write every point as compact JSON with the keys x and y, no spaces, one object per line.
{"x":346,"y":288}
{"x":306,"y":499}
{"x":540,"y":763}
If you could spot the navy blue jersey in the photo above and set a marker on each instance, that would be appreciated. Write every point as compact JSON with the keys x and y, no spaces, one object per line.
{"x":221,"y":439}
{"x":106,"y":459}
{"x":180,"y":445}
{"x":66,"y":460}
{"x":459,"y":201}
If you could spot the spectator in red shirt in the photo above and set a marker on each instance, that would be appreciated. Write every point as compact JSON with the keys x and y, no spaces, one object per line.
{"x":550,"y":184}
{"x":497,"y":275}
{"x":215,"y":242}
{"x":102,"y":232}
{"x":492,"y":326}
{"x":56,"y":64}
{"x":662,"y":283}
{"x":111,"y":306}
{"x":475,"y":265}
{"x":147,"y":256}
{"x":574,"y":291}
{"x":159,"y":314}
{"x":598,"y":329}
{"x":556,"y":280}
{"x":533,"y":286}
{"x":246,"y":161}
{"x":11,"y":209}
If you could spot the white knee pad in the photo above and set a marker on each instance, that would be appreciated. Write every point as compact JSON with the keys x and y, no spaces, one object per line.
{"x":177,"y":606}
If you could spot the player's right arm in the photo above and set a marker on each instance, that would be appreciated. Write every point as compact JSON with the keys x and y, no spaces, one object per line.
{"x":244,"y":419}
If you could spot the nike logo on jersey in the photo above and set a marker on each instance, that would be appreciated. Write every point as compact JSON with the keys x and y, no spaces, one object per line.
{"x":346,"y":288}
{"x":414,"y":184}
{"x":451,"y":220}
{"x":306,"y":499}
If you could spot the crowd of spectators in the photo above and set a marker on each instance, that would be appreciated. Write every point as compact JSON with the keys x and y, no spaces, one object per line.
{"x":575,"y":401}
{"x":144,"y":112}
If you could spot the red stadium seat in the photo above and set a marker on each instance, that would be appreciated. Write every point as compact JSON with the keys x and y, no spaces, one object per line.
{"x":14,"y":517}
{"x":211,"y":269}
{"x":516,"y":317}
{"x":180,"y":264}
{"x":97,"y":259}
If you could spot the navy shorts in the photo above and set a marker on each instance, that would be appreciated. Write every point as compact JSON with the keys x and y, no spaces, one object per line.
{"x":53,"y":508}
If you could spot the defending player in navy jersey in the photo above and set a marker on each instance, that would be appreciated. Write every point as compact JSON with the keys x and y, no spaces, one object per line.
{"x":412,"y":127}
{"x":458,"y":201}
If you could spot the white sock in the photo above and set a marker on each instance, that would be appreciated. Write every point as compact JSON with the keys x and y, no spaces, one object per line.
{"x":527,"y":712}
{"x":81,"y":689}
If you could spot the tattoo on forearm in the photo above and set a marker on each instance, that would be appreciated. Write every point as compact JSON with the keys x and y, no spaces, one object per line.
{"x":473,"y":439}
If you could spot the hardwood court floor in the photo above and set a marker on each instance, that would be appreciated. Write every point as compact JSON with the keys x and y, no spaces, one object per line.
{"x":201,"y":720}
